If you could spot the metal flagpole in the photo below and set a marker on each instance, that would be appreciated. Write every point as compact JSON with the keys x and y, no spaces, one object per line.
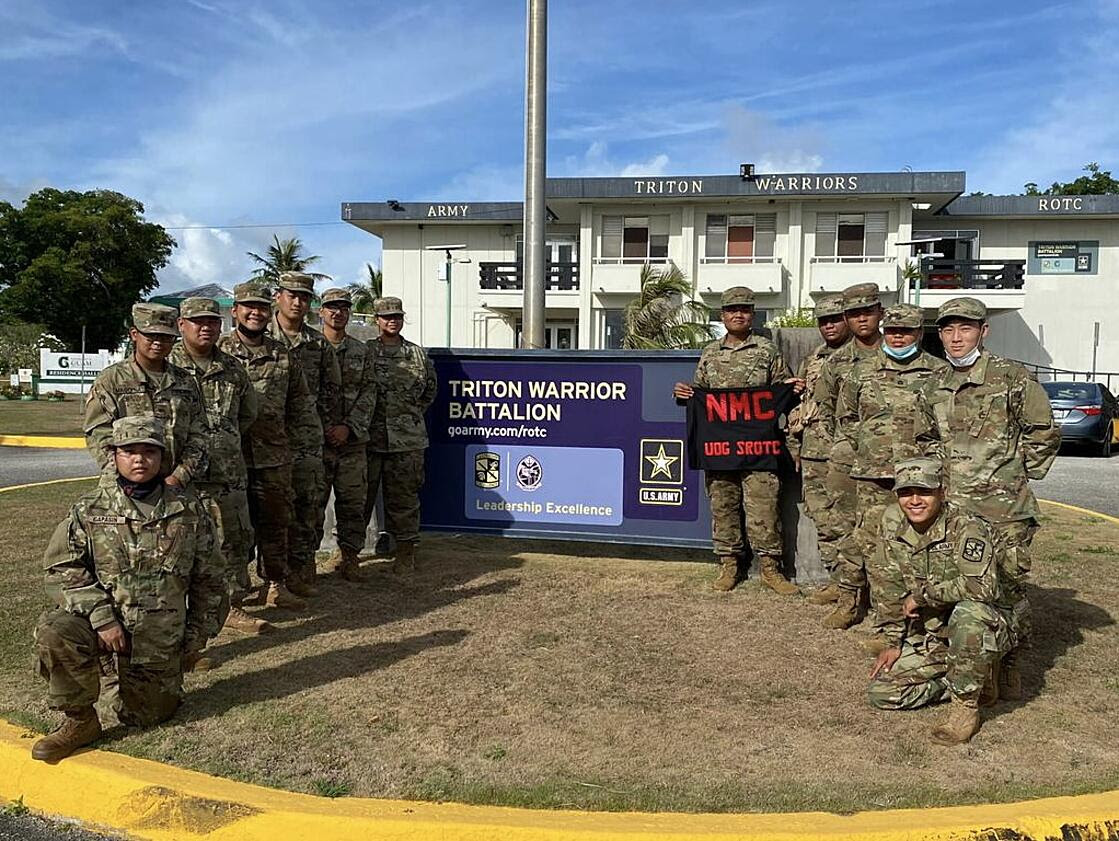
{"x":536,"y":89}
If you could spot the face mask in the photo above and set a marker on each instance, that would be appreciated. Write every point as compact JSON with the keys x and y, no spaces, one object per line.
{"x":252,"y":334}
{"x":900,"y":353}
{"x":138,"y":490}
{"x":963,"y":361}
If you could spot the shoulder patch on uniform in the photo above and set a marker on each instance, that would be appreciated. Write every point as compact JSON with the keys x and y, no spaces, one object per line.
{"x":973,"y":549}
{"x":107,"y":519}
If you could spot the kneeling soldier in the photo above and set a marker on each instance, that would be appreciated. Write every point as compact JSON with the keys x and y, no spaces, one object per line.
{"x":134,"y":574}
{"x":943,"y":603}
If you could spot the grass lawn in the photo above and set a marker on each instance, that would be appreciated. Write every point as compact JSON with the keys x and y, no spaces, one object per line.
{"x":41,"y":417}
{"x":552,"y":675}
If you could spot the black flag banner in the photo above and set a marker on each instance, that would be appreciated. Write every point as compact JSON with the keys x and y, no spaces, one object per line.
{"x":739,"y":428}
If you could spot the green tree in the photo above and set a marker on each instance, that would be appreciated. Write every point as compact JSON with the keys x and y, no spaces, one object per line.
{"x":20,"y":343}
{"x":284,"y":255}
{"x":364,"y":293}
{"x":664,"y":315}
{"x":69,"y":259}
{"x":1097,"y":182}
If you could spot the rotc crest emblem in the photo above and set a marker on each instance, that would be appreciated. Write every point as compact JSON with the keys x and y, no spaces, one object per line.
{"x":530,"y":473}
{"x":973,"y":549}
{"x":487,"y":470}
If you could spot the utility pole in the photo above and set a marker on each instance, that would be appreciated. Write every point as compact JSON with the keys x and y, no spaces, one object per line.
{"x":536,"y":95}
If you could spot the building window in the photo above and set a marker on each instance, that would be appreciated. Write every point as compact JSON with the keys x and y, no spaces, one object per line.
{"x":614,"y":328}
{"x":851,"y":236}
{"x":748,"y":238}
{"x":634,"y":239}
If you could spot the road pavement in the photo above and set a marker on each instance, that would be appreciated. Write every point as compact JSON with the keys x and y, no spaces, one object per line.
{"x":1084,"y":480}
{"x":22,"y":465}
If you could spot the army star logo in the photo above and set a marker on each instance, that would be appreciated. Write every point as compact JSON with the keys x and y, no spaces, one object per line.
{"x":973,"y":549}
{"x":661,"y":462}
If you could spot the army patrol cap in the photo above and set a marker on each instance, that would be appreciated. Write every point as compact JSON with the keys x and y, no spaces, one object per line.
{"x":903,"y":315}
{"x":138,"y":429}
{"x":737,"y":296}
{"x":388,"y":306}
{"x":828,"y":305}
{"x":297,"y":282}
{"x":336,"y":297}
{"x":968,"y":308}
{"x":155,"y":318}
{"x":199,"y":308}
{"x":252,"y":292}
{"x":917,"y":473}
{"x":861,"y":295}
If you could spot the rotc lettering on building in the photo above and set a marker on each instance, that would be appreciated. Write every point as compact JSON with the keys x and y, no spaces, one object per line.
{"x":1059,"y":204}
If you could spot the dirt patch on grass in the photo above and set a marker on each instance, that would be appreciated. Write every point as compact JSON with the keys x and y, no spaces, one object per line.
{"x":41,"y":417}
{"x":555,"y":675}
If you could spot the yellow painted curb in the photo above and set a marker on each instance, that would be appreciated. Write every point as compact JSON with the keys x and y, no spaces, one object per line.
{"x":1080,"y":510}
{"x":148,"y":800}
{"x":47,"y":482}
{"x":56,"y":442}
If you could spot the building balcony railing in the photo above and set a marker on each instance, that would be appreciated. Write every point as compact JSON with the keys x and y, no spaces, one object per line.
{"x":972,"y":274}
{"x":509,"y":276}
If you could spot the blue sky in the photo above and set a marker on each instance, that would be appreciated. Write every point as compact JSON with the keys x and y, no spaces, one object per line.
{"x":220,"y":113}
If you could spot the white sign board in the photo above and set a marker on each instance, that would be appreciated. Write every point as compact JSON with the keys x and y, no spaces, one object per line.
{"x":67,"y":371}
{"x":25,"y":375}
{"x":14,"y":380}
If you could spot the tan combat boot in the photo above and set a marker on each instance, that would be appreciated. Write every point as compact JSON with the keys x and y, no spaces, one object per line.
{"x":846,"y":611}
{"x":962,"y":723}
{"x":1010,"y":677}
{"x":80,"y":728}
{"x":774,"y":579}
{"x":245,"y":623}
{"x":825,"y":595}
{"x":728,"y":573}
{"x":299,"y":587}
{"x":348,"y":566}
{"x":404,"y":563}
{"x":281,"y":596}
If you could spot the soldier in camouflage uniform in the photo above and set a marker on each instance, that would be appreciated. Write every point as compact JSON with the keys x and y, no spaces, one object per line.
{"x":406,"y":386}
{"x":811,"y":446}
{"x":146,"y":383}
{"x":344,"y":455}
{"x":883,"y":417}
{"x":285,"y":410}
{"x":134,"y":576}
{"x":230,"y":406}
{"x":742,"y":359}
{"x":999,"y":433}
{"x":941,"y":589}
{"x":862,"y":311}
{"x":324,"y":381}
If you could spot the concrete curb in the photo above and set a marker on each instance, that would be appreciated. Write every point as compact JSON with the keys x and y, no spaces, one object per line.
{"x":10,"y":488}
{"x":55,"y":442}
{"x":1080,"y":510}
{"x":148,"y":800}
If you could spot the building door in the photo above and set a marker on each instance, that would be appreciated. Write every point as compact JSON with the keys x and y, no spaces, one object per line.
{"x":558,"y":335}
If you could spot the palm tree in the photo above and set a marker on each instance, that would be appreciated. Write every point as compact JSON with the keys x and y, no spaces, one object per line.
{"x":664,"y":315}
{"x":284,"y":255}
{"x":365,"y":293}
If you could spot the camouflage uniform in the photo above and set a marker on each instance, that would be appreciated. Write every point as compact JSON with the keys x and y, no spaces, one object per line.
{"x":999,"y":433}
{"x":406,"y":386}
{"x":285,"y":410}
{"x":952,"y":571}
{"x":346,"y":466}
{"x":308,"y":475}
{"x":882,"y":417}
{"x":755,"y":362}
{"x":125,"y":389}
{"x":812,"y":442}
{"x":230,"y":406}
{"x":150,"y":566}
{"x":838,"y":486}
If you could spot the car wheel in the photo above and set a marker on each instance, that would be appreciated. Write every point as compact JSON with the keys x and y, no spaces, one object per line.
{"x":1105,"y":447}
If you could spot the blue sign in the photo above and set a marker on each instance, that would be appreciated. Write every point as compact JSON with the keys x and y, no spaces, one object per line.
{"x":580,"y":445}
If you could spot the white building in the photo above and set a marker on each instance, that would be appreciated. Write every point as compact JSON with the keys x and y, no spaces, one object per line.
{"x":1046,"y":266}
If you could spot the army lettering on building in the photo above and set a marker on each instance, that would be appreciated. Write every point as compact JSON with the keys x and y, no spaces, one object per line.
{"x":454,"y":211}
{"x":738,"y":429}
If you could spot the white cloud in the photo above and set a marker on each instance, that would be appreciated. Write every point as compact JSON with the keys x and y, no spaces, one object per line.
{"x":754,"y":138}
{"x":597,"y":162}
